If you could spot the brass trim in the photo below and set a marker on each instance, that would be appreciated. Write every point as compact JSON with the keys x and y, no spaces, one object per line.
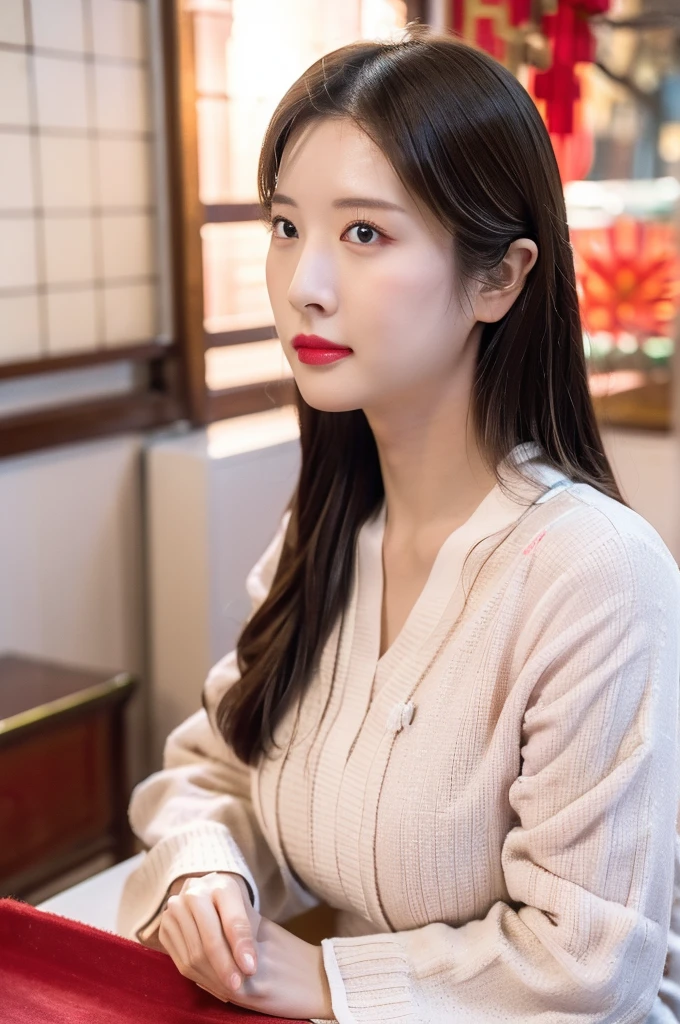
{"x":74,"y":700}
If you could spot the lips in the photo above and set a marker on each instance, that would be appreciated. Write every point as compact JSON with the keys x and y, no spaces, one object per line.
{"x":317,"y":351}
{"x":313,"y":341}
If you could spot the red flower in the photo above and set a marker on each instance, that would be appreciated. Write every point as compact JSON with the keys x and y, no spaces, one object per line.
{"x":628,"y":277}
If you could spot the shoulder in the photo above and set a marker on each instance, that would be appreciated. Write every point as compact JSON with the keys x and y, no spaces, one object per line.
{"x":617,"y":520}
{"x":589,"y":540}
{"x":599,"y":583}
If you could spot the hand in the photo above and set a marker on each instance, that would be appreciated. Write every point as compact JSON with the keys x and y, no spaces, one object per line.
{"x":290,"y":980}
{"x":208,"y":928}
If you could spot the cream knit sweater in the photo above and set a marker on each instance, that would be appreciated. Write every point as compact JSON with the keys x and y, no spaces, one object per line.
{"x":491,"y":805}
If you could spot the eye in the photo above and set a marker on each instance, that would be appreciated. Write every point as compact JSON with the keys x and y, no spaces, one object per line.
{"x":287,"y":225}
{"x":364,"y":228}
{"x":367,"y":233}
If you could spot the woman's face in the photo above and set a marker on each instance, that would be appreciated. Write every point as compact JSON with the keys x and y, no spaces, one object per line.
{"x":352,"y":259}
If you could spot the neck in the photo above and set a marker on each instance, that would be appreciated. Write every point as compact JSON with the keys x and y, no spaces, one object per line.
{"x":433,"y":472}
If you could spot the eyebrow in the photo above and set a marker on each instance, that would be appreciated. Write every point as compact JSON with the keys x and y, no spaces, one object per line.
{"x":347,"y":203}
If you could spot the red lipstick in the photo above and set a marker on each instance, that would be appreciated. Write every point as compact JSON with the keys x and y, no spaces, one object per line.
{"x":318,"y":351}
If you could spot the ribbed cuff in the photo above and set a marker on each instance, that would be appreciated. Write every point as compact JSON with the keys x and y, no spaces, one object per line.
{"x":369,"y":979}
{"x":197,"y":849}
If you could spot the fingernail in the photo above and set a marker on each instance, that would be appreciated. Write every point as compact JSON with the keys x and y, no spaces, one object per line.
{"x":235,"y":980}
{"x":249,"y":961}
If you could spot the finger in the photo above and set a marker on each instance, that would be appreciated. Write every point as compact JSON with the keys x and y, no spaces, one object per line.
{"x":211,"y":993}
{"x":170,"y":935}
{"x":231,"y":883}
{"x":215,"y":995}
{"x":204,"y":933}
{"x":236,"y":927}
{"x":253,"y":916}
{"x":184,"y":919}
{"x":190,"y":958}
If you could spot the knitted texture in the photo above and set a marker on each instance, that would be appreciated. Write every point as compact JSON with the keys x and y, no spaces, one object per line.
{"x":491,"y":805}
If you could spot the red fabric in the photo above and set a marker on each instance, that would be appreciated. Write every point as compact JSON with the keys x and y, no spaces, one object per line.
{"x":55,"y":971}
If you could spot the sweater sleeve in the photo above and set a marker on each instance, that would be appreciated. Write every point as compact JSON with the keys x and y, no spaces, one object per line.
{"x":196,"y":815}
{"x":588,"y":865}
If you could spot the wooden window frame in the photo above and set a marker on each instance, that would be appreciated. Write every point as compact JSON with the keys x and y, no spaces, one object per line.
{"x":159,"y":401}
{"x":190,"y":214}
{"x":175,"y":386}
{"x":92,"y":418}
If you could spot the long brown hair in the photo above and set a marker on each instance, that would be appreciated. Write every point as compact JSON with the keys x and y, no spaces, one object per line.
{"x":466,"y":139}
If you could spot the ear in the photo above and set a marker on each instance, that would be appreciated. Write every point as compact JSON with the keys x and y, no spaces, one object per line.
{"x":494,"y":301}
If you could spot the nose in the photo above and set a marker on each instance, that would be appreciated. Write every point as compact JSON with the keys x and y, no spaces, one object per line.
{"x":313,"y":285}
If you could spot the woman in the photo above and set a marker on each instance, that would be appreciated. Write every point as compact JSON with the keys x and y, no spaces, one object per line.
{"x":452,"y":714}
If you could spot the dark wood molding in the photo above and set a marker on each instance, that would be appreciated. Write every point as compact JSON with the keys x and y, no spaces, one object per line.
{"x":231,"y":402}
{"x":143,"y":353}
{"x":35,"y":690}
{"x":218,"y":339}
{"x":82,"y":421}
{"x":226,"y":213}
{"x":71,"y":722}
{"x":186,"y":210}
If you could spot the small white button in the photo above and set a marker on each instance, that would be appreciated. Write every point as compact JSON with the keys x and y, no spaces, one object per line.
{"x":400,"y":715}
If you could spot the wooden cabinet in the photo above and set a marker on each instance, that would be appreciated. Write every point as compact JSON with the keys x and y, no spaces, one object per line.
{"x":63,"y":786}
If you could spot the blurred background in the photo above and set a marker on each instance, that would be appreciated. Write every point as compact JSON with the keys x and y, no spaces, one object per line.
{"x":148,"y":443}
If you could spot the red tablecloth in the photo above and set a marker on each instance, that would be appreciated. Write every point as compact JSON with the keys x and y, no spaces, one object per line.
{"x":55,"y":971}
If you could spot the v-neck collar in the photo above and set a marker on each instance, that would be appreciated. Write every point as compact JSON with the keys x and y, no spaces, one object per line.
{"x":496,"y":511}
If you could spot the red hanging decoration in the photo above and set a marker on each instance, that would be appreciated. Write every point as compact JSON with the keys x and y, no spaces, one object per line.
{"x":571,"y":43}
{"x":490,"y":24}
{"x":553,"y":37}
{"x":574,"y":152}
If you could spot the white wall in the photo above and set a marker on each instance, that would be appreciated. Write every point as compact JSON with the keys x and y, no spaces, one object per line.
{"x":212,"y":509}
{"x":647,"y":467}
{"x":71,"y":583}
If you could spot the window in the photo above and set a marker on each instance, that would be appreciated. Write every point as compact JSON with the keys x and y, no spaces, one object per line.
{"x":85,"y":336}
{"x":234,"y":59}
